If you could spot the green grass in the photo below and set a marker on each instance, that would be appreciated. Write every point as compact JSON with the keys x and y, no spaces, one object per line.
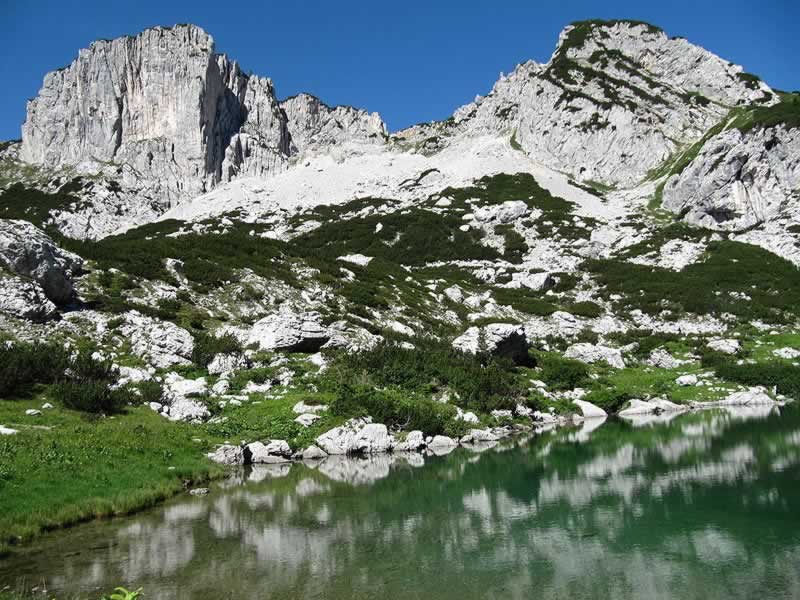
{"x":63,"y":468}
{"x":785,"y":113}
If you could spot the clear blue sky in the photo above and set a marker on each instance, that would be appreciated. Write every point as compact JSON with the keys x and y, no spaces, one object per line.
{"x":410,"y":60}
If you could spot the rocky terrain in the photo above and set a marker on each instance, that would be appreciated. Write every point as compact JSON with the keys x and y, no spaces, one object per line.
{"x":613,"y":231}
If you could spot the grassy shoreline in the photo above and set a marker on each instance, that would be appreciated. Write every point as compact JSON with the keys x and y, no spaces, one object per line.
{"x":63,"y":468}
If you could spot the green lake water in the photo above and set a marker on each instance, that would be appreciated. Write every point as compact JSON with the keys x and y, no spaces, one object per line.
{"x":704,"y":505}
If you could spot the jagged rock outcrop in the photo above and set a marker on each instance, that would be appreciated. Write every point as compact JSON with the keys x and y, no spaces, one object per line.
{"x":738,"y":178}
{"x":28,"y":251}
{"x":161,"y":343}
{"x":289,"y":331}
{"x":161,"y":101}
{"x":614,"y":102}
{"x":24,"y":299}
{"x":169,"y":118}
{"x":315,"y":125}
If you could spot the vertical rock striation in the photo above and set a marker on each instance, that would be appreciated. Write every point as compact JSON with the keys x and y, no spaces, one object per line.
{"x":169,"y":111}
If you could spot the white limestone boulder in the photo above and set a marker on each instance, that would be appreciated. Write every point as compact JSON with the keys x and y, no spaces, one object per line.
{"x":26,"y":250}
{"x":161,"y":343}
{"x":589,"y":410}
{"x":591,"y":353}
{"x":289,"y":331}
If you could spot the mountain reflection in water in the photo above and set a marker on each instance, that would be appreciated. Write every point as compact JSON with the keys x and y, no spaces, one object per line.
{"x":699,"y":505}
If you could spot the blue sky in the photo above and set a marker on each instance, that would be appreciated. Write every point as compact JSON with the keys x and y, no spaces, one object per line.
{"x":410,"y":60}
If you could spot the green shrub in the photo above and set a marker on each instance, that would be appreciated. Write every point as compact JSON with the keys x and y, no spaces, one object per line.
{"x":561,"y":373}
{"x":479,"y":382}
{"x":207,"y":346}
{"x":608,"y":398}
{"x":87,"y":385}
{"x":150,"y":391}
{"x":587,"y":309}
{"x":92,"y":396}
{"x":23,"y":365}
{"x":784,"y":376}
{"x":523,"y":300}
{"x":394,"y":407}
{"x":713,"y":286}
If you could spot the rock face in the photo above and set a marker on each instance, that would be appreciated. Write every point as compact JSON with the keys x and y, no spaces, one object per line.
{"x":162,"y":101}
{"x":162,"y":343}
{"x":738,"y":179}
{"x":24,"y":299}
{"x":315,"y":125}
{"x":174,"y":118}
{"x":499,"y":339}
{"x":289,"y":331}
{"x":28,"y":251}
{"x":616,"y":99}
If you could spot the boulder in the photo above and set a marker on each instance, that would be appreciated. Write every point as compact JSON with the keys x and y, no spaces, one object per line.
{"x":523,"y":411}
{"x":749,"y":397}
{"x":454,"y":294}
{"x":543,"y":417}
{"x":351,"y":337}
{"x":373,"y":438}
{"x":591,"y":353}
{"x":302,"y":408}
{"x":28,"y":251}
{"x":227,"y":363}
{"x":414,"y":442}
{"x":24,"y":299}
{"x":507,"y":212}
{"x":342,"y":439}
{"x":313,"y":453}
{"x":479,"y":436}
{"x":176,"y":386}
{"x":442,"y":441}
{"x":638,"y":407}
{"x":259,"y":453}
{"x":227,"y":454}
{"x":787,"y":353}
{"x":467,"y":417}
{"x":289,"y":331}
{"x":726,"y":346}
{"x":307,"y":419}
{"x":221,"y":387}
{"x":662,"y":359}
{"x":161,"y":343}
{"x":178,"y":397}
{"x":533,"y":281}
{"x":589,"y":410}
{"x":188,"y":411}
{"x":7,"y":430}
{"x":686,"y":380}
{"x":279,"y":448}
{"x":499,"y":339}
{"x":502,"y":414}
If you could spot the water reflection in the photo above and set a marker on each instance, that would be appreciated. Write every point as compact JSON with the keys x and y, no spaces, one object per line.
{"x":703,"y":505}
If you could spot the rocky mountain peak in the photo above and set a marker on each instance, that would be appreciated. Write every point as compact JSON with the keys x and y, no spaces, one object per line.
{"x":171,"y":118}
{"x":630,"y":46}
